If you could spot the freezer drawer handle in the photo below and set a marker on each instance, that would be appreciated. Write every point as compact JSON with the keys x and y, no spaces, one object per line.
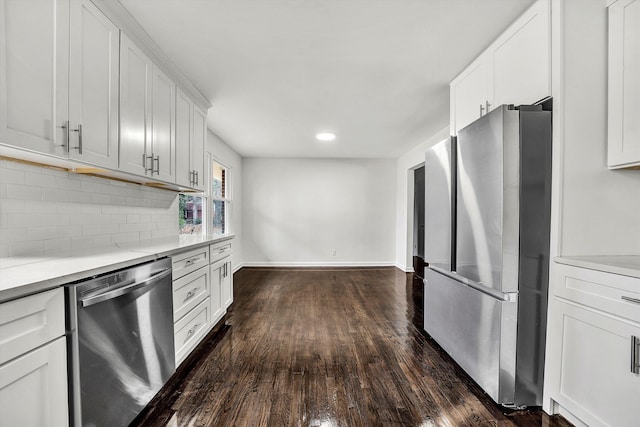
{"x":501,"y":296}
{"x":635,"y":354}
{"x":633,"y":300}
{"x":124,"y":289}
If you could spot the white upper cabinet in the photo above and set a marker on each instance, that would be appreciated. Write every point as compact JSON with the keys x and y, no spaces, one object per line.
{"x":93,"y":86}
{"x":147,"y":116}
{"x":522,"y":59}
{"x":34,"y":74}
{"x":59,"y":71}
{"x":135,"y":109}
{"x":470,"y":95}
{"x":199,"y":142}
{"x":515,"y":69}
{"x":191,"y":132}
{"x":73,"y":86}
{"x":163,"y":126}
{"x":624,"y":84}
{"x":184,"y":132}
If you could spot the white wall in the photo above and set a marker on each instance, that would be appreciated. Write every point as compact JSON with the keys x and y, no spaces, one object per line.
{"x":44,"y":210}
{"x":404,"y":198}
{"x":598,"y":208}
{"x":223,"y":154}
{"x":297,"y":211}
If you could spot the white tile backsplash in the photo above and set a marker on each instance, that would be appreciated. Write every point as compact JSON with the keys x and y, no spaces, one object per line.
{"x":44,"y":211}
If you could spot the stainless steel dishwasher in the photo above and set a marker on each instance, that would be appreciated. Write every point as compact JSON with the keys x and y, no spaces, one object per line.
{"x":120,"y":328}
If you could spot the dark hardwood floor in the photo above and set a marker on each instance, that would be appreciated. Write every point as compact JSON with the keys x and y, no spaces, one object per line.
{"x":340,"y":347}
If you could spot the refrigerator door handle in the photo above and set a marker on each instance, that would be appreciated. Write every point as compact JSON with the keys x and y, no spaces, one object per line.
{"x":501,"y":296}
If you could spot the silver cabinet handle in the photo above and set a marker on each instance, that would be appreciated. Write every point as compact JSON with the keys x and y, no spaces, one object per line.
{"x":635,"y":354}
{"x":197,"y":176}
{"x":191,"y":177}
{"x":65,"y":142}
{"x":191,"y":261}
{"x":481,"y":110}
{"x":144,"y":163}
{"x":487,"y":106}
{"x":79,"y":130}
{"x":191,"y":293}
{"x":192,"y":331}
{"x":633,"y":300}
{"x":156,"y":159}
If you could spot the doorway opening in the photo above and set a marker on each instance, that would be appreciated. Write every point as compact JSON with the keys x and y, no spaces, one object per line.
{"x":418,"y":221}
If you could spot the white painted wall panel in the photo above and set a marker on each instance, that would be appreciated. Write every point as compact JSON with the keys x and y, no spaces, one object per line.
{"x":600,"y":207}
{"x":297,"y":211}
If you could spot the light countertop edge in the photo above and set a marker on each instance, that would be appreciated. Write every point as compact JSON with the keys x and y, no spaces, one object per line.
{"x":22,"y":276}
{"x":625,"y":265}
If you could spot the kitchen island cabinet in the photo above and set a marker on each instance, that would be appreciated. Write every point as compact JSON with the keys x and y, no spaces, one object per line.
{"x":593,"y":371}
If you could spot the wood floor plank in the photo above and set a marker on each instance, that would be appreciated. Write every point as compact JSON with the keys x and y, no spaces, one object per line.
{"x":326,"y":347}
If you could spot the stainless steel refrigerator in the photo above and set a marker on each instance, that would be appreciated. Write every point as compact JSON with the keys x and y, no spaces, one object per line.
{"x":487,"y":227}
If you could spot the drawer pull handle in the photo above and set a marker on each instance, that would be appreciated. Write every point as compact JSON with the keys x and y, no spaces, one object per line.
{"x":190,"y":262}
{"x":633,"y":300}
{"x":222,"y":250}
{"x":191,"y":293}
{"x":635,"y":354}
{"x":192,"y":331}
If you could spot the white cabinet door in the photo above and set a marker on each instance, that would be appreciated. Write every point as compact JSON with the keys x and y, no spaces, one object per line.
{"x":163,"y":126}
{"x":93,"y":86}
{"x":135,"y":109}
{"x":184,"y":131}
{"x":34,"y":37}
{"x":624,"y":84}
{"x":470,"y":94}
{"x":594,"y":378}
{"x":33,"y":388}
{"x":197,"y":147}
{"x":227,"y":285}
{"x":521,"y":59}
{"x":217,"y":309}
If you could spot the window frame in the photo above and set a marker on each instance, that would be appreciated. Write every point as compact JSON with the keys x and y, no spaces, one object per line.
{"x":227,"y":200}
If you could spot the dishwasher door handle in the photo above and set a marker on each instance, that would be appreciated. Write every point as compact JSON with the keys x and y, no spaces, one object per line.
{"x":114,"y":293}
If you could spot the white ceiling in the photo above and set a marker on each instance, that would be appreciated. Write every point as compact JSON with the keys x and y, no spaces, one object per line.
{"x":375,"y":72}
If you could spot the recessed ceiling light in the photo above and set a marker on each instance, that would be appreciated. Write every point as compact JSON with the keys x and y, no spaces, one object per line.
{"x":325,"y":136}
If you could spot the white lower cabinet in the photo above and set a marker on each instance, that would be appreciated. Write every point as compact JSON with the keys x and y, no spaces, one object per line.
{"x":217,"y":271}
{"x":202,"y":291}
{"x":189,"y":331}
{"x":33,"y":388}
{"x":33,"y":361}
{"x":221,"y":259}
{"x":593,"y":347}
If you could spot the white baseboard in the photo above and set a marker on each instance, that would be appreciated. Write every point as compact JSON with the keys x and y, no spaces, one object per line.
{"x":320,"y":264}
{"x":405,"y":268}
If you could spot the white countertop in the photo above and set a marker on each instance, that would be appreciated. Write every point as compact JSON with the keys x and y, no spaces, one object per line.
{"x":625,"y":265}
{"x":20,"y":276}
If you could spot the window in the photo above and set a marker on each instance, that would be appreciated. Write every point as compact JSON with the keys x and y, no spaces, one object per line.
{"x":190,"y":214}
{"x":220,"y":199}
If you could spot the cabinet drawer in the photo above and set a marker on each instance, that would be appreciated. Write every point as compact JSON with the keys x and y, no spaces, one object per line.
{"x":189,"y":291}
{"x":220,"y":250}
{"x":596,"y":382}
{"x":613,"y":293}
{"x":186,"y":262}
{"x":29,"y":322}
{"x":189,"y":330}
